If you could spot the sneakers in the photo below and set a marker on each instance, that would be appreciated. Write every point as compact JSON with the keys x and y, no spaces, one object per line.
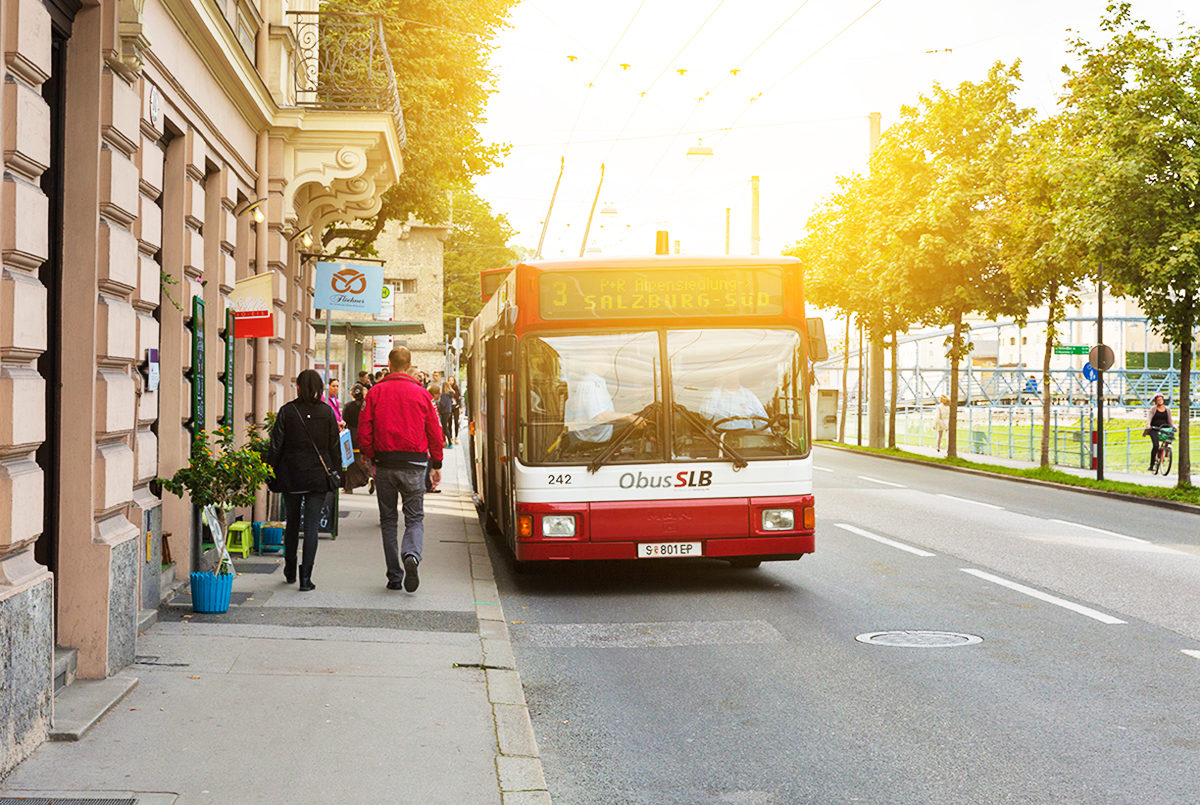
{"x":395,"y":585}
{"x":411,"y":579}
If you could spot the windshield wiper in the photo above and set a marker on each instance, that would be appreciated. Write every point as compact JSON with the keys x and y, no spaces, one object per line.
{"x":700,"y":426}
{"x":646,"y":414}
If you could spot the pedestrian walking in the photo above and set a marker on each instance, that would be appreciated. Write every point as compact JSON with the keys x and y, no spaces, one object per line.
{"x":398,"y":430}
{"x":457,"y":411}
{"x":331,"y":399}
{"x":304,"y":452}
{"x":445,"y":406}
{"x":359,"y":473}
{"x":942,"y":423}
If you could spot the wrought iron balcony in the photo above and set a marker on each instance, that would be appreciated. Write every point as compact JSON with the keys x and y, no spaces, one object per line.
{"x":342,"y":62}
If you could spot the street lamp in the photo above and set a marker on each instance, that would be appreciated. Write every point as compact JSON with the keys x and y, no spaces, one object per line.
{"x":255,"y":209}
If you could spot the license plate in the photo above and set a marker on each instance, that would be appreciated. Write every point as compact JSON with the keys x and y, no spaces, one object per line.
{"x":667,"y":550}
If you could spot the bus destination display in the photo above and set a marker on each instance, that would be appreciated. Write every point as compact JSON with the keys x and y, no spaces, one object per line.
{"x":670,"y":293}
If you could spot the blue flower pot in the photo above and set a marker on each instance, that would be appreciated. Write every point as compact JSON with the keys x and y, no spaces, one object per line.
{"x":211,"y":592}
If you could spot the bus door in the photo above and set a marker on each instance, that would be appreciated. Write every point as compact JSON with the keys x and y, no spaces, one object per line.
{"x":501,"y":355}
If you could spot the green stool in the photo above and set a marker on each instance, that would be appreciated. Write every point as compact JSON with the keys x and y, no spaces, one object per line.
{"x":240,"y":538}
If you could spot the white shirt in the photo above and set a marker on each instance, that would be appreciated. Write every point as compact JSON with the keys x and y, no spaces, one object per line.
{"x":740,"y":402}
{"x":586,"y":399}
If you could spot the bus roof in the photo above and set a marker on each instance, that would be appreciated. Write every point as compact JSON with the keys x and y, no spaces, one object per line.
{"x":659,"y":261}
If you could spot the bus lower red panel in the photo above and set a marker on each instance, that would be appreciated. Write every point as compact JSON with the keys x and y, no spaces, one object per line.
{"x":726,"y":527}
{"x":754,"y":546}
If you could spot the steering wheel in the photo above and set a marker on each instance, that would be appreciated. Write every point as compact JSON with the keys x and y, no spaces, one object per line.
{"x":716,"y":425}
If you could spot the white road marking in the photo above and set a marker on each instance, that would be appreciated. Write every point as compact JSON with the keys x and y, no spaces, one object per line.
{"x":1101,"y":531}
{"x":822,"y":469}
{"x":968,"y":500}
{"x":885,"y":483}
{"x":1191,"y":652}
{"x":890,"y":542}
{"x":1041,"y":596}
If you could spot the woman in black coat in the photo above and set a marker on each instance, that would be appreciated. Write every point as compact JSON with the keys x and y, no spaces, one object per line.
{"x":305,"y":433}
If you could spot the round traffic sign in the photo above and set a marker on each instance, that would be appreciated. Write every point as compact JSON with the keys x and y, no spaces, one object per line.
{"x":1102,"y":357}
{"x":1089,"y":372}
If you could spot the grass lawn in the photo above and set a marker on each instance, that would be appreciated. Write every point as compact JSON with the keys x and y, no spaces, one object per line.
{"x":1188,"y":494}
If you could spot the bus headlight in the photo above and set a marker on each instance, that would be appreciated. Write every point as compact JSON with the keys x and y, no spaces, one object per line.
{"x":558,"y":525}
{"x":778,"y":520}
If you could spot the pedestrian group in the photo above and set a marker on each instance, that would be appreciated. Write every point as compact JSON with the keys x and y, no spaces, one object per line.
{"x":398,"y":423}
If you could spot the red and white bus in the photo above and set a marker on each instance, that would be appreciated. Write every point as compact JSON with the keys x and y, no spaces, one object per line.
{"x":643,"y":408}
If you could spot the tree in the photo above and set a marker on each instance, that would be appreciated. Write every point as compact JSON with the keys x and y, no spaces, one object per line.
{"x":478,"y":240}
{"x":1135,"y":101}
{"x":439,"y":52}
{"x":1044,"y":247}
{"x":954,"y":150}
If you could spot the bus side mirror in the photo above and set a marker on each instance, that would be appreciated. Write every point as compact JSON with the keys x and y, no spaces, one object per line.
{"x":818,"y":349}
{"x":506,"y":354}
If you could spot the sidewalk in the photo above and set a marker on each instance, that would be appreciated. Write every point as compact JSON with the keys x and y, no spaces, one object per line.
{"x":349,"y":693}
{"x":1142,"y":478}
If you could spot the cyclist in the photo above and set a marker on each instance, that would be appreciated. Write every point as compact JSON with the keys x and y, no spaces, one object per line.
{"x":1160,"y":416}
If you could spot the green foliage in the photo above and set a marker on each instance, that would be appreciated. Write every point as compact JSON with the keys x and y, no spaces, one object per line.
{"x":440,"y":54}
{"x":220,"y":473}
{"x":1134,"y":104}
{"x":479,"y":240}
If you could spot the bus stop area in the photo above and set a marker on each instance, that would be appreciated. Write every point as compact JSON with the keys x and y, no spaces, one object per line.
{"x":351,"y":692}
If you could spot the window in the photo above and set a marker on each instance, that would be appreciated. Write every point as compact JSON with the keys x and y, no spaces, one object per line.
{"x":739,"y":389}
{"x":408,"y":286}
{"x":584,"y":392}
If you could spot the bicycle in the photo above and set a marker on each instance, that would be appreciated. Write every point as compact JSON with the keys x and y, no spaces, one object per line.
{"x":1162,"y":461}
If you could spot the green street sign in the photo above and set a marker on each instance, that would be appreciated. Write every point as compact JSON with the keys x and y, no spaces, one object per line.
{"x":1071,"y":349}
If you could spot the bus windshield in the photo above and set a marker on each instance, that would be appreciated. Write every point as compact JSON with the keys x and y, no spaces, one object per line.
{"x":734,"y":394}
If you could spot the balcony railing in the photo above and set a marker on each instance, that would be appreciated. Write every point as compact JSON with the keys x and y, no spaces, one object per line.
{"x":342,"y":62}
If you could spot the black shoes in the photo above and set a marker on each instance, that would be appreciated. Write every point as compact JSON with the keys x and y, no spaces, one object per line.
{"x":306,"y":582}
{"x":411,"y":579}
{"x":395,"y":585}
{"x":289,"y":571}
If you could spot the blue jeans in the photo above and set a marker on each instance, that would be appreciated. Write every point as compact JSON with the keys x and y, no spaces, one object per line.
{"x":409,"y":485}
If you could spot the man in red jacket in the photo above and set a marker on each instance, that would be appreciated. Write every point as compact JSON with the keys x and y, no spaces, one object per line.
{"x":399,"y":431}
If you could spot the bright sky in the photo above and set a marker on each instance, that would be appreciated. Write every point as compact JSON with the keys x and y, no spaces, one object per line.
{"x":634,"y":83}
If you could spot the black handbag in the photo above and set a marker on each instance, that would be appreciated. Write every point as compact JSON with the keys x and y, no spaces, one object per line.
{"x":333,"y":478}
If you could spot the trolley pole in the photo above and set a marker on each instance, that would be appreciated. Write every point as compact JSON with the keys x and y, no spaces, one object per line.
{"x":753,"y":215}
{"x":727,"y":230}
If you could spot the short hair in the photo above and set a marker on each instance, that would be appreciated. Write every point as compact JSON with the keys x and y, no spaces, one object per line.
{"x":310,"y":385}
{"x":364,"y":373}
{"x":399,"y":359}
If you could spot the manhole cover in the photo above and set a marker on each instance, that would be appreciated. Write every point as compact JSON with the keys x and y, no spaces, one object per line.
{"x":919,"y":639}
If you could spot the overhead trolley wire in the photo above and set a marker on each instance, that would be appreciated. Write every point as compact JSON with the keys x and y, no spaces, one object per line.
{"x":750,"y":103}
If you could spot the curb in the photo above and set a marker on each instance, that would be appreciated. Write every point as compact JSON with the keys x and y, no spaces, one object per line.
{"x":1159,"y":502}
{"x":518,"y":763}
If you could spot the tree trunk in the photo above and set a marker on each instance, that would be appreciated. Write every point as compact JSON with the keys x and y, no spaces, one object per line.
{"x":955,"y":355}
{"x":1051,"y":333}
{"x":845,"y":384}
{"x":895,"y":393}
{"x":1185,"y":404}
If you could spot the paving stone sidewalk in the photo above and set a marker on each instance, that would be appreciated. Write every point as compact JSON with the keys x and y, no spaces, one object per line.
{"x":351,"y":693}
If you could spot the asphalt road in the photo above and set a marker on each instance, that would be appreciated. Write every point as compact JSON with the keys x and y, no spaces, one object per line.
{"x":665,"y":681}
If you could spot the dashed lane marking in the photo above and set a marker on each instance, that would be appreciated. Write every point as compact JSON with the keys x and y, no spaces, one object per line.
{"x":968,"y":500}
{"x":884,"y":540}
{"x":822,"y":469}
{"x":1101,"y":531}
{"x":1041,"y":596}
{"x":877,"y":481}
{"x":1191,"y":652}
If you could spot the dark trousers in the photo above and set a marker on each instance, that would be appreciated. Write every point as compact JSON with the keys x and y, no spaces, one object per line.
{"x":407,"y":484}
{"x":1155,"y":440}
{"x":311,"y":503}
{"x":447,"y":428}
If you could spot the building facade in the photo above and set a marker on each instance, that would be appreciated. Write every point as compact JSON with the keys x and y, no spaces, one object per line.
{"x":141,"y":140}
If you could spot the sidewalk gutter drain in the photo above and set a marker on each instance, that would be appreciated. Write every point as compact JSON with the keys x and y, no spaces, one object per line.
{"x":919,"y":639}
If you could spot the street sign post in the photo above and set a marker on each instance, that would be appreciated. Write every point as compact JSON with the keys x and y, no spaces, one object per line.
{"x":1089,"y":372}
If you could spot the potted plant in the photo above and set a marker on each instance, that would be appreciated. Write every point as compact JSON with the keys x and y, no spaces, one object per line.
{"x":219,"y":477}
